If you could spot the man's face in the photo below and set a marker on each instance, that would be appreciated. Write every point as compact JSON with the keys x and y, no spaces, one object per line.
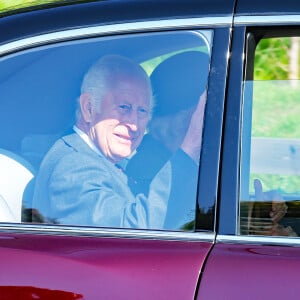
{"x":171,"y":129}
{"x":118,"y":127}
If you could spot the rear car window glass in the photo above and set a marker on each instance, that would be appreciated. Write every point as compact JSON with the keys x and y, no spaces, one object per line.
{"x":98,"y":132}
{"x":270,"y":172}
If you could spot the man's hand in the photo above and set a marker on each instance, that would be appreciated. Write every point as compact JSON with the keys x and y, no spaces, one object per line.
{"x":278,"y":211}
{"x":279,"y":208}
{"x":191,"y":144}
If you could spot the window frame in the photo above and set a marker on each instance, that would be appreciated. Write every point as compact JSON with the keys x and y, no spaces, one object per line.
{"x":271,"y":26}
{"x":128,"y":28}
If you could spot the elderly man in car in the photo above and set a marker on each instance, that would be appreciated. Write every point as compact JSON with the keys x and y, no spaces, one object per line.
{"x":81,"y":181}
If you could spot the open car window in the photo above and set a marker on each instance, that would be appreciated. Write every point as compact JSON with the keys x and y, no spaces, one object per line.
{"x":39,"y":92}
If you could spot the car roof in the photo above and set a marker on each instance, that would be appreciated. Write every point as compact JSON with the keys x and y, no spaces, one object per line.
{"x":53,"y":18}
{"x":69,"y":14}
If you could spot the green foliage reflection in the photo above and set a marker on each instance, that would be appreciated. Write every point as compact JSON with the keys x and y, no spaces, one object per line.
{"x":272,"y":59}
{"x":7,"y":5}
{"x":276,"y":102}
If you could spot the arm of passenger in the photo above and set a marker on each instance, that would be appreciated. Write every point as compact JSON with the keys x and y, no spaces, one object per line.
{"x":175,"y":185}
{"x":183,"y":195}
{"x":192,"y":142}
{"x":96,"y":194}
{"x":183,"y":171}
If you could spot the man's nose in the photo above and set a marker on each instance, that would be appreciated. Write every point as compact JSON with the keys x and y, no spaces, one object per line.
{"x":132,"y":120}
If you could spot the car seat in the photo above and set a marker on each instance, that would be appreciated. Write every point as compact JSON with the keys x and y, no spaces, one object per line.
{"x":15,"y":175}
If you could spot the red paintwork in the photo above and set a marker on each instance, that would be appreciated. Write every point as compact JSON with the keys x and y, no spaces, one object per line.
{"x":99,"y":268}
{"x":29,"y":292}
{"x":251,"y":272}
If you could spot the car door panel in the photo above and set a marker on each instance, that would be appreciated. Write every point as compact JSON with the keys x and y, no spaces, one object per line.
{"x":101,"y":267}
{"x":251,"y":271}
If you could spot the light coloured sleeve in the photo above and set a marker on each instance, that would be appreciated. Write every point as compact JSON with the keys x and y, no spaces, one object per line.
{"x":93,"y":192}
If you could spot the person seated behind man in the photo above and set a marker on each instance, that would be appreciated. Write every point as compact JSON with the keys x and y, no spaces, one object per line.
{"x":179,"y":87}
{"x":178,"y":83}
{"x":80,"y":181}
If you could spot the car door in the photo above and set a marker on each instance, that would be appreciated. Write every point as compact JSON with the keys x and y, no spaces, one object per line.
{"x":257,"y":254}
{"x":43,"y":61}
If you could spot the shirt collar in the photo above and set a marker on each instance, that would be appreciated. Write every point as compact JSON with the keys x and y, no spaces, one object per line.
{"x":87,"y":140}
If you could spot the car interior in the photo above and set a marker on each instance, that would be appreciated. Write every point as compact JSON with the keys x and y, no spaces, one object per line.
{"x":39,"y":88}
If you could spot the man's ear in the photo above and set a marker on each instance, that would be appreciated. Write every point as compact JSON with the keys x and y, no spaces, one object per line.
{"x":86,"y":107}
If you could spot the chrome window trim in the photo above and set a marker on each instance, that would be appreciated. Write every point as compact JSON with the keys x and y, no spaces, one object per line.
{"x":258,"y":240}
{"x":107,"y":232}
{"x":267,"y":20}
{"x":92,"y":31}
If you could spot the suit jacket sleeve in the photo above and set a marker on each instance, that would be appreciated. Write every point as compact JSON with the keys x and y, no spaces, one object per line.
{"x":183,"y":194}
{"x":95,"y":193}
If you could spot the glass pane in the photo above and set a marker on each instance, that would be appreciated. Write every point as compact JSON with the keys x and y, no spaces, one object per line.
{"x":104,"y":132}
{"x":270,"y":173}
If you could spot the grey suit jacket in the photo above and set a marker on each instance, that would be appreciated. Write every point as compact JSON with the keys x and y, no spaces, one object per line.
{"x":77,"y":186}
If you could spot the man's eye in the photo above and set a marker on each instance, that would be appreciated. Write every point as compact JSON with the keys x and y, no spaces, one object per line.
{"x":124,"y":108}
{"x":143,"y":112}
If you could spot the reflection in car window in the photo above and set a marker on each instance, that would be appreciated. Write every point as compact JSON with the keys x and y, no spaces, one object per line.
{"x":111,"y":129}
{"x":270,"y":174}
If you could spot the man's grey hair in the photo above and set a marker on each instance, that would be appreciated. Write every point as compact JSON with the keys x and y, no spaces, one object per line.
{"x":103,"y":76}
